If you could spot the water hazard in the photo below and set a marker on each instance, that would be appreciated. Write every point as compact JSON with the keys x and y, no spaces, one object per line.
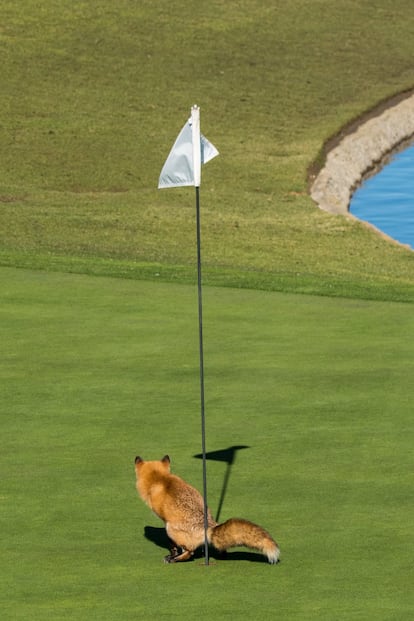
{"x":386,"y":200}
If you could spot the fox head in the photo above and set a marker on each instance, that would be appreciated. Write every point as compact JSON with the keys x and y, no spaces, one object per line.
{"x":145,"y":468}
{"x":149,"y":477}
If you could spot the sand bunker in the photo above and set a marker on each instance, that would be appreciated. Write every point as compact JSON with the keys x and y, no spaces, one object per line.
{"x":364,"y":149}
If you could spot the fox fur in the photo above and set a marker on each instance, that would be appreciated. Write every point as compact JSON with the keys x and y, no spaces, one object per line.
{"x":181,"y":507}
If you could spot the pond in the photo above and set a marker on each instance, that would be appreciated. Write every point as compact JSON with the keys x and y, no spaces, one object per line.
{"x":386,"y":200}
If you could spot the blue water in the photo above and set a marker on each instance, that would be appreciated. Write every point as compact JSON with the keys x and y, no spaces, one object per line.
{"x":386,"y":200}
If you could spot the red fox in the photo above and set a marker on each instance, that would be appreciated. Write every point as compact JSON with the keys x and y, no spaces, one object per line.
{"x":181,"y":508}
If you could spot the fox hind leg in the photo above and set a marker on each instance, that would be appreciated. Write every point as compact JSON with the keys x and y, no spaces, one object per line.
{"x":174,"y":551}
{"x":178,"y":555}
{"x":179,"y":548}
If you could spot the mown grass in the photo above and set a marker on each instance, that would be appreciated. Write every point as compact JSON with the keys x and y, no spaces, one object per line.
{"x":94,"y":96}
{"x":95,"y":370}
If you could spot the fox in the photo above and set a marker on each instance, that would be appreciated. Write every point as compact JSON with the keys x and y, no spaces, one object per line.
{"x":181,"y":507}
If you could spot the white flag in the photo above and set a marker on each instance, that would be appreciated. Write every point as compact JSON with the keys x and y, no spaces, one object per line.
{"x":190,"y":150}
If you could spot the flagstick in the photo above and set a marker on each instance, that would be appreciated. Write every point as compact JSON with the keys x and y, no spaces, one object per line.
{"x":200,"y":328}
{"x":183,"y":167}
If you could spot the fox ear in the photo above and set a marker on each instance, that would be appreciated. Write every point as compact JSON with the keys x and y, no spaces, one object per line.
{"x":138,"y":460}
{"x":166,"y":459}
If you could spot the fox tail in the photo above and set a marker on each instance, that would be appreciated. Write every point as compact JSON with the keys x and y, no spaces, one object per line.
{"x":238,"y":532}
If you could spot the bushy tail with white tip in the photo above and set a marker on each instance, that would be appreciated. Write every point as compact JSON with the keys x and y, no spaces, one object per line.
{"x":238,"y":532}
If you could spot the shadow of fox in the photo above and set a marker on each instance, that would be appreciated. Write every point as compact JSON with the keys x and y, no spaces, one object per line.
{"x":181,"y":508}
{"x":158,"y":537}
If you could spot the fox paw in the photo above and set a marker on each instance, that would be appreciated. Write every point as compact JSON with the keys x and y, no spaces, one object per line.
{"x":184,"y":555}
{"x":174,"y":552}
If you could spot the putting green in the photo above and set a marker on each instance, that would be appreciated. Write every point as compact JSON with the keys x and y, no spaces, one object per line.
{"x":96,"y":370}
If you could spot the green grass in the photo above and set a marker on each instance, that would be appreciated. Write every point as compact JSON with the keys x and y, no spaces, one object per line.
{"x":95,"y":94}
{"x":97,"y":370}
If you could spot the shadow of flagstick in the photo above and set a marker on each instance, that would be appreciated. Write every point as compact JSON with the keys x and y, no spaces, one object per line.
{"x":229,"y":456}
{"x":224,"y":490}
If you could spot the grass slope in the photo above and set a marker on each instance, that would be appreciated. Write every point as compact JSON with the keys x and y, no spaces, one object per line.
{"x":94,"y":95}
{"x":96,"y":370}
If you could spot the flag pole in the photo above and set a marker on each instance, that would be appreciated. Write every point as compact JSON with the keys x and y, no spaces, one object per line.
{"x":200,"y":332}
{"x":196,"y":137}
{"x":183,"y":167}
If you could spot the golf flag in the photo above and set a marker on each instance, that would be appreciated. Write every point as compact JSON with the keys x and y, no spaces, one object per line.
{"x":190,"y":150}
{"x":183,"y":167}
